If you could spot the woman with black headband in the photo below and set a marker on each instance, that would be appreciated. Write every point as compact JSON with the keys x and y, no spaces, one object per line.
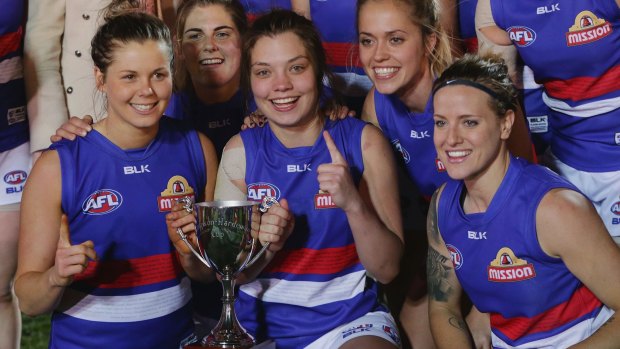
{"x":524,"y":244}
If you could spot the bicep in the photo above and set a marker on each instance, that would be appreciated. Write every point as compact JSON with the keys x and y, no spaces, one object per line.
{"x":581,"y":240}
{"x":210,"y":157}
{"x":40,"y":215}
{"x":444,"y":288}
{"x":231,"y":174}
{"x":380,"y":179}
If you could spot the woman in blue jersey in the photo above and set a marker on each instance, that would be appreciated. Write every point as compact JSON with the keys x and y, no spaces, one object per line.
{"x":523,"y":243}
{"x":115,"y":277}
{"x":338,"y":227}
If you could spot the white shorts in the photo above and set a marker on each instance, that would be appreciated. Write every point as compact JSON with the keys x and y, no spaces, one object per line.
{"x":602,"y":188}
{"x":15,"y":167}
{"x":378,"y":323}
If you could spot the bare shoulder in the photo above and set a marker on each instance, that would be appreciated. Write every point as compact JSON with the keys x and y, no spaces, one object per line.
{"x":369,"y":114}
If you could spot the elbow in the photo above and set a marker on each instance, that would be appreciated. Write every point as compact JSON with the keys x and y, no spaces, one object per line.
{"x":387,"y":273}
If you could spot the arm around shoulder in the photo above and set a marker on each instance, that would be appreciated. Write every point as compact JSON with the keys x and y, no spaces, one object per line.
{"x":231,"y":174}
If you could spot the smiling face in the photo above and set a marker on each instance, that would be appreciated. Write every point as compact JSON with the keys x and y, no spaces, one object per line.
{"x":469,"y":136}
{"x":392,"y":47}
{"x":283,"y":81}
{"x":138,"y":84}
{"x":211,"y":48}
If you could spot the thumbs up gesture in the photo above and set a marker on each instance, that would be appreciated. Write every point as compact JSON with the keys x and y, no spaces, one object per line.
{"x":70,"y":259}
{"x":335,"y":177}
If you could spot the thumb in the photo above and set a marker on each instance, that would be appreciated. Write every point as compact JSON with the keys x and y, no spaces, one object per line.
{"x":335,"y":154}
{"x":284,"y":204}
{"x":64,"y":239}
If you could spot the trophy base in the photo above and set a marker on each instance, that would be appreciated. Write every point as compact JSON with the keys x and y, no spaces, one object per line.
{"x":230,"y":341}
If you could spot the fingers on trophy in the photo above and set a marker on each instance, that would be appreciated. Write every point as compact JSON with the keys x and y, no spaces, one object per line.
{"x":225,"y":244}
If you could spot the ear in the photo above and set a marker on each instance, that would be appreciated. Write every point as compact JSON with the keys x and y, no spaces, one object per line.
{"x":506,"y":124}
{"x":100,"y":80}
{"x":431,"y":43}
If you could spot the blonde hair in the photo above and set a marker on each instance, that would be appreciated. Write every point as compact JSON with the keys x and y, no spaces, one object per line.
{"x":425,"y":13}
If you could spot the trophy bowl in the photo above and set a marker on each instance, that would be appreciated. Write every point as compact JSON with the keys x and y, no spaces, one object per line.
{"x":225,"y":244}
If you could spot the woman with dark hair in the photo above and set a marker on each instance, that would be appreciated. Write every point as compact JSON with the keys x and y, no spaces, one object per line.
{"x":338,"y":227}
{"x":523,"y":243}
{"x":111,"y":276}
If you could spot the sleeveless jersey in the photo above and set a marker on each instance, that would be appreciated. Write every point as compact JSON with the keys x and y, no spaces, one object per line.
{"x":533,"y":299}
{"x":467,"y":27}
{"x":317,"y":282}
{"x":218,"y":121}
{"x":572,"y":48}
{"x":13,"y":120}
{"x":411,"y":134}
{"x":335,"y":20}
{"x":135,"y":295}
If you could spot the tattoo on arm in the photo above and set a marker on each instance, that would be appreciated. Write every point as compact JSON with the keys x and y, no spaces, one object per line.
{"x":458,"y":324}
{"x":437,"y":272}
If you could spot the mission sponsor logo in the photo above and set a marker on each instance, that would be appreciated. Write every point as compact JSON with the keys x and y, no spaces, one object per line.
{"x":102,"y":202}
{"x":323,"y":200}
{"x":439,"y":165}
{"x":257,"y":191}
{"x":177,"y":188}
{"x":521,"y":36}
{"x":587,"y":28}
{"x":507,"y":267}
{"x":403,"y":152}
{"x":455,"y":256}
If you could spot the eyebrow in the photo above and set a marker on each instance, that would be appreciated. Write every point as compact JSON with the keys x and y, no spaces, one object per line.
{"x":289,"y":61}
{"x":391,"y":32}
{"x":216,"y":29}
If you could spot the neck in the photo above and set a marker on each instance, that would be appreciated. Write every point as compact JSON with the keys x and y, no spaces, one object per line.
{"x":299,"y":136}
{"x":482,"y":188}
{"x":126,"y":137}
{"x":417,"y":93}
{"x":220,"y":94}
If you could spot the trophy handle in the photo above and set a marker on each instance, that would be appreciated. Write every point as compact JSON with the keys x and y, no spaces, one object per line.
{"x":264,"y":206}
{"x":187,"y":205}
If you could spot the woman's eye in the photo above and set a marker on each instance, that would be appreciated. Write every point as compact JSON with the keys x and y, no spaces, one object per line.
{"x":194,"y":36}
{"x":440,"y":123}
{"x":365,"y":41}
{"x":396,"y":40}
{"x":261,"y":73}
{"x":222,"y":35}
{"x":471,"y":123}
{"x":297,"y":68}
{"x":129,"y":77}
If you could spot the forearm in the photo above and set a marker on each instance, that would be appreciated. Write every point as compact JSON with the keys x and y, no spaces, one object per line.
{"x":36,"y":293}
{"x":449,"y":329}
{"x":250,"y":274}
{"x":196,"y":269}
{"x":607,"y":336}
{"x":379,"y":249}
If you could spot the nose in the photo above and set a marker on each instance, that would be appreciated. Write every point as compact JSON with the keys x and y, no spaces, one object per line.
{"x":209,"y":44}
{"x":381,"y":51}
{"x":282,"y":82}
{"x":453,"y":136}
{"x":147,"y":89}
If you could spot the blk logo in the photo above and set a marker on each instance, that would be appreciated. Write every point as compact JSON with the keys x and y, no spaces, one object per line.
{"x":298,"y":168}
{"x":135,"y":170}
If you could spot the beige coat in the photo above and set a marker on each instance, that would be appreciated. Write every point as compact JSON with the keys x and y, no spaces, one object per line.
{"x":58,"y":69}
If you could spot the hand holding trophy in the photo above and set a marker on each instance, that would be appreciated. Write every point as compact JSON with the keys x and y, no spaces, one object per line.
{"x":225,"y":244}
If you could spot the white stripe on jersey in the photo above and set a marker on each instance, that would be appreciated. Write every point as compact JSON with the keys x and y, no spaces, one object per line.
{"x":584,"y":110}
{"x":11,"y":69}
{"x":568,"y":337}
{"x":130,"y":308}
{"x":307,"y":293}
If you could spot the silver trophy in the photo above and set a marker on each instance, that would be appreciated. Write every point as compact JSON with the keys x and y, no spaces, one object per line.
{"x":225,"y":244}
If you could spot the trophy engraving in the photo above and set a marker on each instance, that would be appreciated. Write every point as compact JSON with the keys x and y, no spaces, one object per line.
{"x":225,"y":244}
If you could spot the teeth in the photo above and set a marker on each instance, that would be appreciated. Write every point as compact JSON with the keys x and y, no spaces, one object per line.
{"x":142,"y":107}
{"x":458,"y":154}
{"x":284,"y":100}
{"x":385,"y":71}
{"x":211,"y":61}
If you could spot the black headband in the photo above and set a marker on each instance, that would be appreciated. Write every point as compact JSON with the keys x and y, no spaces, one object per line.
{"x":473,"y":84}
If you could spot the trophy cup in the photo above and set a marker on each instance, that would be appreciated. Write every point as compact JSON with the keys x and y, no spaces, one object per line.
{"x":225,"y":244}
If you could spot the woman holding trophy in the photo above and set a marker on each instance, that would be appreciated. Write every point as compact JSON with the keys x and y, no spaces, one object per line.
{"x":337,"y":231}
{"x":115,"y":277}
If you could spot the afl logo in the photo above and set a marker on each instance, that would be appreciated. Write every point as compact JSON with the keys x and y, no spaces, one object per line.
{"x":257,"y":191}
{"x":15,"y":177}
{"x":455,"y":256}
{"x":403,"y":152}
{"x":521,"y":36}
{"x":615,"y":208}
{"x":102,"y":202}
